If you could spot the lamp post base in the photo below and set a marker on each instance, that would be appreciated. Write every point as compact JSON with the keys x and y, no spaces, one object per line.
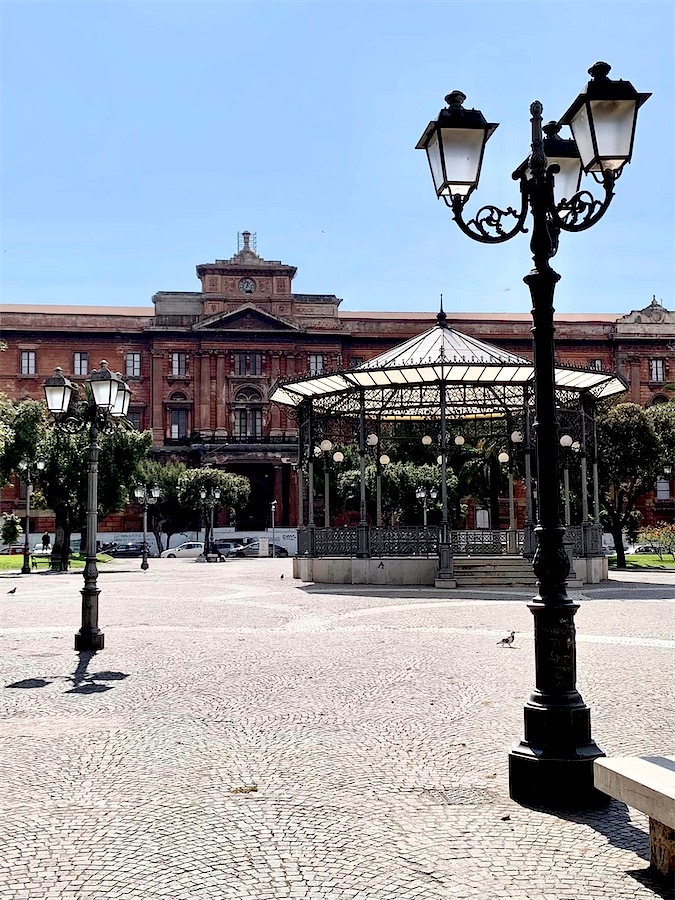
{"x":561,"y":779}
{"x":89,"y":640}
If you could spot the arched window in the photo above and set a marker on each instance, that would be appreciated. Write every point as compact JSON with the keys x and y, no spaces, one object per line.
{"x":178,"y":397}
{"x":248,"y":395}
{"x":248,"y":413}
{"x":178,"y":415}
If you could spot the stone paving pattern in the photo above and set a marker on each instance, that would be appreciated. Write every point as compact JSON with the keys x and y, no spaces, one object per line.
{"x":244,"y":737}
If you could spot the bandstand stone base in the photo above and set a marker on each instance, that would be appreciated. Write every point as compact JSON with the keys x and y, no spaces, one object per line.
{"x":386,"y":570}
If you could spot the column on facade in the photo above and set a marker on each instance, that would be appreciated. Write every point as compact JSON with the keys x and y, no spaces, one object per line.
{"x":221,"y":421}
{"x":203,"y":393}
{"x":157,"y":405}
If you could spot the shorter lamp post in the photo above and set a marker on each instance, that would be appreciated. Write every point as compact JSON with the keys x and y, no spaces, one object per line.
{"x":146,"y":499}
{"x":324,"y":449}
{"x":273,"y":509}
{"x":422,"y":495}
{"x":28,"y":475}
{"x":568,"y":443}
{"x":106,"y":404}
{"x":383,"y":460}
{"x":210,"y":500}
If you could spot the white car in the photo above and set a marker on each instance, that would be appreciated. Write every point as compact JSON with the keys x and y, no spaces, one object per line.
{"x":189,"y":548}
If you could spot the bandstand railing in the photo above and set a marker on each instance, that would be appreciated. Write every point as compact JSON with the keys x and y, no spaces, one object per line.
{"x":582,"y":540}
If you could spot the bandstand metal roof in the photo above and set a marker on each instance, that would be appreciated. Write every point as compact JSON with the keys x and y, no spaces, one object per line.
{"x":403,"y":383}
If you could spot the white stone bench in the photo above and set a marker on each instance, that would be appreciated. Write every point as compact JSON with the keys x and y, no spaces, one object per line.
{"x":646,"y":783}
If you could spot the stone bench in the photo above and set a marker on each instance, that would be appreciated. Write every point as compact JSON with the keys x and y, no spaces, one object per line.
{"x":646,"y":783}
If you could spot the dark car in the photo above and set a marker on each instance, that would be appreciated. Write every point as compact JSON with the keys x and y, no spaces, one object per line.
{"x":252,"y":549}
{"x":129,"y":551}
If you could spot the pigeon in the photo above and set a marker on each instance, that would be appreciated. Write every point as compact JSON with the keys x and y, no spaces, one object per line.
{"x":13,"y":591}
{"x":507,"y":641}
{"x":282,"y":577}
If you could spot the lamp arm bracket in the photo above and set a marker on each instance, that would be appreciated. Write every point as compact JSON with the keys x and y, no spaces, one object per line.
{"x":583,"y":210}
{"x":487,"y":226}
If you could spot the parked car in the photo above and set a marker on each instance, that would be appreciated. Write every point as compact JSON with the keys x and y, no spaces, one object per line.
{"x":644,"y":548}
{"x":252,"y":549}
{"x":132,"y":550}
{"x":187,"y":549}
{"x":223,"y":545}
{"x":12,"y":549}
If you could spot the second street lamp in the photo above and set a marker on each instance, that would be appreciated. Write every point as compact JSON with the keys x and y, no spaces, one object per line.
{"x":146,"y":499}
{"x":28,"y":475}
{"x":553,"y":764}
{"x":210,"y":500}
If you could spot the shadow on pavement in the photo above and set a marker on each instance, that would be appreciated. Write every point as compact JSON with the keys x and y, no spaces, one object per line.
{"x":83,"y":682}
{"x":612,"y":821}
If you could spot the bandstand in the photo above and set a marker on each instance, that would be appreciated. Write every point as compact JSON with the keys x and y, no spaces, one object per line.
{"x":459,"y":387}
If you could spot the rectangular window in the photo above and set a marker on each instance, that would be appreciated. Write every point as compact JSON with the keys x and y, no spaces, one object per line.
{"x":256,"y":363}
{"x":240,"y":423}
{"x":179,"y":363}
{"x":256,"y":422}
{"x":657,"y":370}
{"x":662,"y":489}
{"x":179,"y":423}
{"x":132,"y":365}
{"x":595,"y":364}
{"x":315,"y":363}
{"x":134,"y":416}
{"x":28,"y":362}
{"x":355,"y":361}
{"x":80,"y":364}
{"x":239,"y":363}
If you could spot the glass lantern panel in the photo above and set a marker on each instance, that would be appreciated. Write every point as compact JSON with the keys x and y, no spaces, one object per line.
{"x":121,"y":404}
{"x":567,"y":179}
{"x":581,"y":131}
{"x":58,"y":398}
{"x":613,"y":121}
{"x":104,"y":391}
{"x":435,"y":162}
{"x":462,"y":149}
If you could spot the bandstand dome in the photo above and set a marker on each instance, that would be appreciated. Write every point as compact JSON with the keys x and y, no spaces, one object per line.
{"x":402,"y":383}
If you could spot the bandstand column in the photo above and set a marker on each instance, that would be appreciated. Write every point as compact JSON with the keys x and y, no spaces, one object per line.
{"x":445,"y":574}
{"x":363,"y":535}
{"x":596,"y":484}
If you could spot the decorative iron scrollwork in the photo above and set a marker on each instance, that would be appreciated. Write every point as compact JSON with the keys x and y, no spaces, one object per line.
{"x":487,"y":226}
{"x":582,"y":211}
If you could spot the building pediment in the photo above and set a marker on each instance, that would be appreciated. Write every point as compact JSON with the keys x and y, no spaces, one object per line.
{"x":654,"y":314}
{"x":247,"y":317}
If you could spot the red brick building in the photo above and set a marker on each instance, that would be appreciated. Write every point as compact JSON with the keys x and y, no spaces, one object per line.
{"x":201,"y":363}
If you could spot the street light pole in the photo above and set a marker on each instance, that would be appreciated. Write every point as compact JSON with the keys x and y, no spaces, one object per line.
{"x":25,"y":468}
{"x":106,"y":404}
{"x":273,"y":508}
{"x":145,"y":499}
{"x":553,"y":764}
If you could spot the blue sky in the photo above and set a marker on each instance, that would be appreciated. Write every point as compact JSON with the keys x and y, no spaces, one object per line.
{"x":140,"y":137}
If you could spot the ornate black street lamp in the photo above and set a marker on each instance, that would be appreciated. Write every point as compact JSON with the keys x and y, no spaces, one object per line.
{"x":146,"y":499}
{"x":28,"y":474}
{"x":553,"y":765}
{"x":210,"y":499}
{"x":105,"y":405}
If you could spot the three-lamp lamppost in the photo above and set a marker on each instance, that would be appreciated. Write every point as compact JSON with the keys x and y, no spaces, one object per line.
{"x":553,"y":765}
{"x":422,"y":495}
{"x":146,"y":498}
{"x":28,"y":474}
{"x":210,"y":498}
{"x":105,"y":404}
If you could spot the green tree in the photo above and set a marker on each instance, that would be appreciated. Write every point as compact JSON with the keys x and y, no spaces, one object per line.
{"x":25,"y":426}
{"x":631,"y":456}
{"x":234,"y":489}
{"x":168,"y":516}
{"x":662,"y":417}
{"x":11,"y":530}
{"x":63,"y":482}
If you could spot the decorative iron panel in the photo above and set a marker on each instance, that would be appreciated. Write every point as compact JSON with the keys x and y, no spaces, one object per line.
{"x":404,"y":541}
{"x":487,"y":542}
{"x":335,"y":541}
{"x":574,"y":536}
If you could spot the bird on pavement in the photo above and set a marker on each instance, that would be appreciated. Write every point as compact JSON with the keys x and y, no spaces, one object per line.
{"x":507,"y":641}
{"x":282,"y":577}
{"x":13,"y":591}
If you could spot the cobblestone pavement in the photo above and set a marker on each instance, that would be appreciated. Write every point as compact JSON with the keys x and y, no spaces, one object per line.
{"x":243,"y":737}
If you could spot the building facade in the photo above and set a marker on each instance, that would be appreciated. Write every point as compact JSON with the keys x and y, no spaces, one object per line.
{"x":201,"y":364}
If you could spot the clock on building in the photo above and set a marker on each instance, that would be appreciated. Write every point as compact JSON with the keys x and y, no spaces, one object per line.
{"x":247,"y":286}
